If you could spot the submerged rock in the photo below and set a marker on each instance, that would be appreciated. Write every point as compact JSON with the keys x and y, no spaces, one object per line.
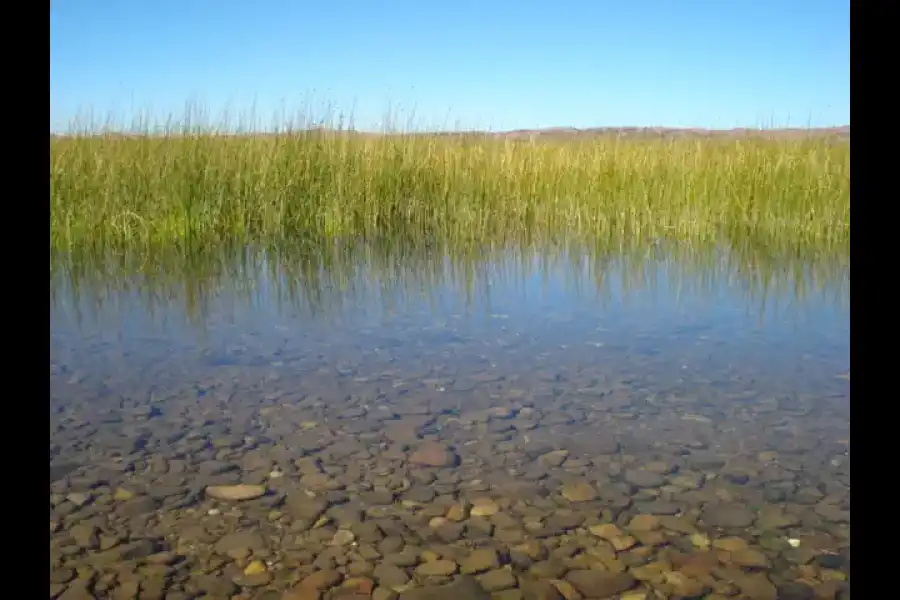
{"x":433,"y":454}
{"x":235,"y":493}
{"x":580,"y":491}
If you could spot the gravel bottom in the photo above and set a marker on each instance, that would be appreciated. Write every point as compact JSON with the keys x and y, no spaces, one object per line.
{"x":546,"y":487}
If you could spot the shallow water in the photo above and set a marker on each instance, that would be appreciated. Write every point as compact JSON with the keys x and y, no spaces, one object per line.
{"x":407,"y":418}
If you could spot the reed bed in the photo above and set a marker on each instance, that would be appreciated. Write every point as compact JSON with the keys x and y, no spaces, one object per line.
{"x":191,"y":188}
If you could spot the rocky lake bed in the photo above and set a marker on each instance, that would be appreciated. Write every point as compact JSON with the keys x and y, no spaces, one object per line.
{"x":528,"y":491}
{"x":533,"y":449}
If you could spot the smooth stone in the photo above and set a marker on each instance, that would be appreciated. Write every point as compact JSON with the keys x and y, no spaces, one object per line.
{"x":482,"y":559}
{"x":554,"y":459}
{"x":343,"y":537}
{"x":795,"y":590}
{"x":684,"y":586}
{"x":122,"y":494}
{"x":497,"y":580}
{"x":437,"y":568}
{"x":677,"y":524}
{"x":381,"y":498}
{"x":215,"y":585}
{"x":579,"y":492}
{"x":484,"y":507}
{"x":433,"y":454}
{"x":659,"y":466}
{"x":381,"y":593}
{"x":831,"y":513}
{"x":830,"y":561}
{"x":750,"y":558}
{"x":643,"y":523}
{"x":561,"y":522}
{"x":605,"y":446}
{"x":731,"y":544}
{"x":60,"y":470}
{"x":62,"y":575}
{"x":600,"y":584}
{"x":689,"y":481}
{"x":456,"y":513}
{"x":757,"y":586}
{"x":85,"y":535}
{"x":255,"y":568}
{"x":607,"y":531}
{"x":463,"y":588}
{"x":659,"y":508}
{"x":539,"y":590}
{"x":390,"y":576}
{"x":137,"y":506}
{"x":620,"y":544}
{"x":735,"y":517}
{"x":254,"y":580}
{"x":322,"y":580}
{"x":79,"y":499}
{"x":303,"y":507}
{"x":236,"y":493}
{"x":548,"y":569}
{"x":240,"y":540}
{"x":301,"y":592}
{"x":777,"y":519}
{"x":644,"y":479}
{"x":700,"y":540}
{"x":407,"y":558}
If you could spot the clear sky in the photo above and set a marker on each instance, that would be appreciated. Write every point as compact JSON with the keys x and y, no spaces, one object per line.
{"x":491,"y":64}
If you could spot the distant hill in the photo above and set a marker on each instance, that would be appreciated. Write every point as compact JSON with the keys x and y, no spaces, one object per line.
{"x":561,"y":133}
{"x":672,"y":132}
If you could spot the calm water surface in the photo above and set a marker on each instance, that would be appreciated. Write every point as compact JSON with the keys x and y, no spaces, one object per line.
{"x":665,"y":425}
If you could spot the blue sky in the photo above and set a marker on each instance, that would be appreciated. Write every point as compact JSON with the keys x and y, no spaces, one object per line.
{"x":491,"y":64}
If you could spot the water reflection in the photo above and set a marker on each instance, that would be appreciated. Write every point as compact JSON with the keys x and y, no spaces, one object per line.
{"x":347,"y":279}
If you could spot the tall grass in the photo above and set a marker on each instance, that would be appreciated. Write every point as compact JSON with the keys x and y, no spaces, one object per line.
{"x":193,"y":188}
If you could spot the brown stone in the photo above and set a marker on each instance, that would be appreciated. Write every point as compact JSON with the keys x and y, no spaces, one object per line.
{"x":644,"y":523}
{"x":750,"y":558}
{"x":757,"y":586}
{"x":697,"y":564}
{"x":433,"y":454}
{"x":301,"y":592}
{"x":322,"y":580}
{"x":235,"y":493}
{"x":730,"y":544}
{"x":540,"y":590}
{"x":580,"y":491}
{"x":359,"y":585}
{"x":437,"y":568}
{"x":600,"y":584}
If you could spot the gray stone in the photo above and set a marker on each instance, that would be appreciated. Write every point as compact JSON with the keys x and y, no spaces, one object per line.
{"x":390,"y":576}
{"x":600,"y":584}
{"x":303,"y":507}
{"x":464,"y":587}
{"x":728,"y":517}
{"x":644,"y":479}
{"x":240,"y":540}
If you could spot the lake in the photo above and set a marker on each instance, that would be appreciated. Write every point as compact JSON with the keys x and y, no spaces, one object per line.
{"x":531,"y":423}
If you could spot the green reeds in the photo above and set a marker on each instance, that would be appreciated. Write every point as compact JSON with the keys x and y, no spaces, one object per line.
{"x":191,"y":189}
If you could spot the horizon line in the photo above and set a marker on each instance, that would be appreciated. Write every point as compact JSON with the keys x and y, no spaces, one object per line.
{"x":840,"y":130}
